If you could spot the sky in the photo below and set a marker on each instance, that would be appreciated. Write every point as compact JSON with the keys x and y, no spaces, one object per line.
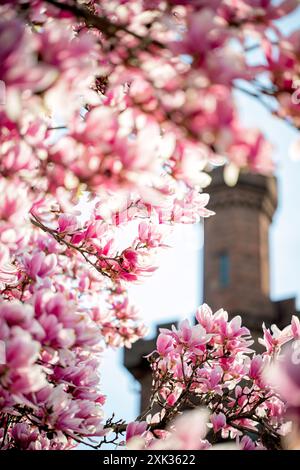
{"x":175,"y":290}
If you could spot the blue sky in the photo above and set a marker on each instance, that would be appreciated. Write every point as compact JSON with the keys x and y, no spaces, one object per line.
{"x":175,"y":290}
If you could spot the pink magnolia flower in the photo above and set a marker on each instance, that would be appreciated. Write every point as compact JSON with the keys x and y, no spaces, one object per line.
{"x":21,"y":350}
{"x":191,"y":208}
{"x":150,"y":235}
{"x":233,"y":328}
{"x":14,"y":201}
{"x":16,"y":313}
{"x":210,"y":110}
{"x":23,"y":375}
{"x":189,"y":164}
{"x":236,"y":336}
{"x":251,"y":150}
{"x":183,"y":438}
{"x":24,"y":381}
{"x":18,"y":47}
{"x":274,"y":338}
{"x":295,"y":326}
{"x":67,"y":223}
{"x":210,"y":379}
{"x":63,"y":327}
{"x":27,"y":438}
{"x":205,"y":317}
{"x":17,"y":155}
{"x":39,"y":264}
{"x":256,"y":367}
{"x":246,"y":443}
{"x":218,"y":421}
{"x":73,"y":416}
{"x":192,"y":337}
{"x":284,"y":375}
{"x":8,"y":272}
{"x":198,"y":40}
{"x":133,"y":264}
{"x":172,"y":398}
{"x":136,"y":428}
{"x":178,"y":435}
{"x":164,"y":344}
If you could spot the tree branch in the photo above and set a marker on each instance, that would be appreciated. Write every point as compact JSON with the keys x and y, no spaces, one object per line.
{"x":103,"y":24}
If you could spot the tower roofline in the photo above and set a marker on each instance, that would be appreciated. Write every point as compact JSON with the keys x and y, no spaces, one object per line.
{"x":251,"y":190}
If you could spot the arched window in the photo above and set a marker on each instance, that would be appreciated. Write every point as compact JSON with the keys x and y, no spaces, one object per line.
{"x":224,"y":268}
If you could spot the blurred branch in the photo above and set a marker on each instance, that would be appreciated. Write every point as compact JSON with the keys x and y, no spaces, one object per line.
{"x":103,"y":24}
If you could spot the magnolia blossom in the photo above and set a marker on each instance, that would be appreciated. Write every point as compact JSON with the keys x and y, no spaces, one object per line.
{"x":39,"y":265}
{"x":8,"y":272}
{"x":190,"y":337}
{"x":112,"y":114}
{"x":165,"y":344}
{"x":274,"y":338}
{"x":284,"y":375}
{"x":295,"y":327}
{"x":210,"y":365}
{"x":135,"y":429}
{"x":178,"y":435}
{"x":218,"y":421}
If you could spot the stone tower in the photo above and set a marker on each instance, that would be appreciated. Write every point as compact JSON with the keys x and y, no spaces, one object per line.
{"x":236,"y":247}
{"x":236,"y":262}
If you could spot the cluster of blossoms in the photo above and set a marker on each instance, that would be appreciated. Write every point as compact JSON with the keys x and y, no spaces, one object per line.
{"x":49,"y":388}
{"x":112,"y":114}
{"x":210,"y":366}
{"x":160,"y":71}
{"x":67,"y":205}
{"x":63,"y":280}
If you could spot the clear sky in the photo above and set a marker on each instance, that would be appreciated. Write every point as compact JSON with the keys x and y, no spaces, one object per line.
{"x":175,"y":289}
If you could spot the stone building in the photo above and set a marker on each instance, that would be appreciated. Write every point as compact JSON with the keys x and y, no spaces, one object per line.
{"x":236,"y":263}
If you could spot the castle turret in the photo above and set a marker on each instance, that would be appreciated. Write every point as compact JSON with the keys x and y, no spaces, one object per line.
{"x":236,"y":247}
